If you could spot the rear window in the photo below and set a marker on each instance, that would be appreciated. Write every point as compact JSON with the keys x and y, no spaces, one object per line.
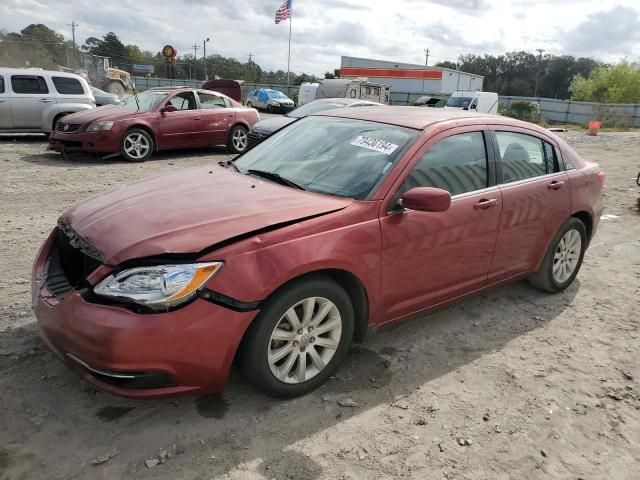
{"x":29,"y":84}
{"x":68,"y":86}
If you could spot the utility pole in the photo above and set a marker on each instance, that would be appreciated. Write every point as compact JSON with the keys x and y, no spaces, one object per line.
{"x":426,"y":53}
{"x":204,"y":55}
{"x":540,"y":51}
{"x":195,"y":56}
{"x":73,"y":26}
{"x":250,"y":57}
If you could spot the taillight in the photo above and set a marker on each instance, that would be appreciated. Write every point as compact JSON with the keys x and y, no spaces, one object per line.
{"x":601,"y":179}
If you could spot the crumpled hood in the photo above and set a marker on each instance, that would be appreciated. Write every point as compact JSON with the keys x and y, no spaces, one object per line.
{"x":188,"y":211}
{"x":106,"y":112}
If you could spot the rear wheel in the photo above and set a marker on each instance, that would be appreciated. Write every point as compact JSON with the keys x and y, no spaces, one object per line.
{"x":57,"y":120}
{"x":137,"y":145}
{"x":563,"y":260}
{"x":300,"y":337}
{"x":249,"y":105}
{"x":238,"y":139}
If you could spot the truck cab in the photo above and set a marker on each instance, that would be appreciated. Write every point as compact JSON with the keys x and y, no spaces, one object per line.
{"x":482,"y":102}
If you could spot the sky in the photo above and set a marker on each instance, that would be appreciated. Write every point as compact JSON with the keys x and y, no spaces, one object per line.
{"x":322,"y":31}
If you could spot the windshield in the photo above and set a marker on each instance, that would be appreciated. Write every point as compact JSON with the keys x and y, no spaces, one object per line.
{"x":148,"y":100}
{"x":276,"y":94}
{"x":335,"y":156}
{"x":458,"y":102}
{"x":313,"y":107}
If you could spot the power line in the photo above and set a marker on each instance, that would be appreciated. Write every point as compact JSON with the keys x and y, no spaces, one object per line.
{"x":426,"y":52}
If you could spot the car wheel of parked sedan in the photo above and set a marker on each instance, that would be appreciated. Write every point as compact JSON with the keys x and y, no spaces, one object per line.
{"x":562,"y":261}
{"x":137,"y":145}
{"x":300,"y":337}
{"x":238,"y":139}
{"x":270,"y":109}
{"x":249,"y":105}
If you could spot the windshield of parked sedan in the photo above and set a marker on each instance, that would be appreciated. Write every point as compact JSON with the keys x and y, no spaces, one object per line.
{"x":148,"y":100}
{"x":313,"y":107}
{"x":335,"y":156}
{"x":458,"y":102}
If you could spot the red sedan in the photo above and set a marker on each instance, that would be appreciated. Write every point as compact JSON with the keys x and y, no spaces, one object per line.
{"x":155,"y":120}
{"x":341,"y":222}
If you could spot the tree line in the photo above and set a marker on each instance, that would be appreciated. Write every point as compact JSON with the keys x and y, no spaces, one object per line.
{"x":39,"y":46}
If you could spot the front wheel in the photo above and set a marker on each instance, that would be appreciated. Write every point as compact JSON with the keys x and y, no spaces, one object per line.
{"x":300,"y":337}
{"x":116,"y":88}
{"x":137,"y":145}
{"x":563,"y":260}
{"x":249,"y":105}
{"x":238,"y":139}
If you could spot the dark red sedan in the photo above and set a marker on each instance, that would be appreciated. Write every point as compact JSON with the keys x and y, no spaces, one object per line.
{"x":342,"y":221}
{"x":155,"y":120}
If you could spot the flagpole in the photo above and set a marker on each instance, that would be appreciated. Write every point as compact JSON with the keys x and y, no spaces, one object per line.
{"x":289,"y":57}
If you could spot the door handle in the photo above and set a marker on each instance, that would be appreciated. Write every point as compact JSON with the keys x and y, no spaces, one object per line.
{"x":195,"y":118}
{"x":485,"y":203}
{"x":46,"y":100}
{"x":555,"y":185}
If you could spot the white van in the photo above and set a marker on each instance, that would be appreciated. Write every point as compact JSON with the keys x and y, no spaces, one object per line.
{"x":483,"y":102}
{"x":354,"y":88}
{"x":33,"y":100}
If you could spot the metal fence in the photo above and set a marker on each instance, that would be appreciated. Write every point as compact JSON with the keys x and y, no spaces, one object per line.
{"x":581,"y":113}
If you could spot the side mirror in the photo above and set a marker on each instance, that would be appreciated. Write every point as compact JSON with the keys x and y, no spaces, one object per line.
{"x":465,"y":106}
{"x":473,"y":107}
{"x":168,"y":109}
{"x":427,"y":199}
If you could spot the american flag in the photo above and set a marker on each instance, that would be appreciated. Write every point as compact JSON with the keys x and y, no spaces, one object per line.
{"x":284,"y":11}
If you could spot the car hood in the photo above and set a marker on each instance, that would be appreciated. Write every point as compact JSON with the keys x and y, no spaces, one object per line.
{"x":107,"y":112}
{"x":270,"y":125}
{"x":189,"y":212}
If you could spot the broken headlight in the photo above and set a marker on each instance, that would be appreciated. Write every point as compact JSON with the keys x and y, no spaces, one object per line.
{"x":158,"y":287}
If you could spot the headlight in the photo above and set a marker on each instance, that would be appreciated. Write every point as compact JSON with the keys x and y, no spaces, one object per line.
{"x":158,"y":287}
{"x":99,"y":126}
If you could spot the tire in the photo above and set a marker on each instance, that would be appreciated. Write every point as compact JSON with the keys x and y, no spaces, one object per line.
{"x":133,"y":138}
{"x":238,"y":139}
{"x":270,"y":108}
{"x":570,"y":253}
{"x":272,"y":377}
{"x":116,"y":88}
{"x":249,"y":105}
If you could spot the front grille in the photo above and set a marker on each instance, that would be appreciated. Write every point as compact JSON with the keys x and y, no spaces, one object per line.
{"x":67,"y":266}
{"x":67,"y":127}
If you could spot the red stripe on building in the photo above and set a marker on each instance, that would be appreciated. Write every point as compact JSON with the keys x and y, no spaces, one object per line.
{"x":423,"y":74}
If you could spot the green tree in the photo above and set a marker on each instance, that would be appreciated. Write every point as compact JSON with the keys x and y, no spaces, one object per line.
{"x":615,"y":84}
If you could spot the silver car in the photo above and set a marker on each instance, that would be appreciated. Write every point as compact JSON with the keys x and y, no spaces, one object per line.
{"x":34,"y":100}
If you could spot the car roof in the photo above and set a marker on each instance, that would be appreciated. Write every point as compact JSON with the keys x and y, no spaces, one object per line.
{"x":36,"y":71}
{"x":419,"y":118}
{"x":345,"y":101}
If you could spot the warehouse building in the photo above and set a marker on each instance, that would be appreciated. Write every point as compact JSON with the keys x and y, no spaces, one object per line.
{"x":409,"y":81}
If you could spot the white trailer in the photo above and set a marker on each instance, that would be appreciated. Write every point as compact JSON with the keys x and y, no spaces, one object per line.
{"x":360,"y":88}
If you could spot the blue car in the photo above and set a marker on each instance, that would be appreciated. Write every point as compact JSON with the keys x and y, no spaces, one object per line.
{"x":271,"y":100}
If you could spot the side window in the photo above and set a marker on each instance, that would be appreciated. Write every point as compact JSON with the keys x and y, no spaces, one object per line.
{"x":28,"y":84}
{"x":67,"y":86}
{"x":522,"y":156}
{"x":1,"y":84}
{"x":208,"y":100}
{"x":457,"y":164}
{"x":184,"y":101}
{"x":553,"y":164}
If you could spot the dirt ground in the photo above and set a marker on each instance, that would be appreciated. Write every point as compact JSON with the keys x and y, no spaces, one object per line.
{"x":512,"y":384}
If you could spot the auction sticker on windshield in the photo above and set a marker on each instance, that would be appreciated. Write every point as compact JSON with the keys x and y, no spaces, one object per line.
{"x":381,"y":146}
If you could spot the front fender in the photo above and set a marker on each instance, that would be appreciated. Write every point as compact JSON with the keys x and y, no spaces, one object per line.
{"x":53,"y":110}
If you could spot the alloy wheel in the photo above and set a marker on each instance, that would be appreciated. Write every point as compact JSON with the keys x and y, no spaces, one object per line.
{"x":567,"y":256}
{"x":136,"y":145}
{"x":239,"y":139}
{"x":304,"y":340}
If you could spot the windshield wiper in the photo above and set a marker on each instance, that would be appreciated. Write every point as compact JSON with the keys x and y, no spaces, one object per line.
{"x":228,"y":163}
{"x":275,"y":177}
